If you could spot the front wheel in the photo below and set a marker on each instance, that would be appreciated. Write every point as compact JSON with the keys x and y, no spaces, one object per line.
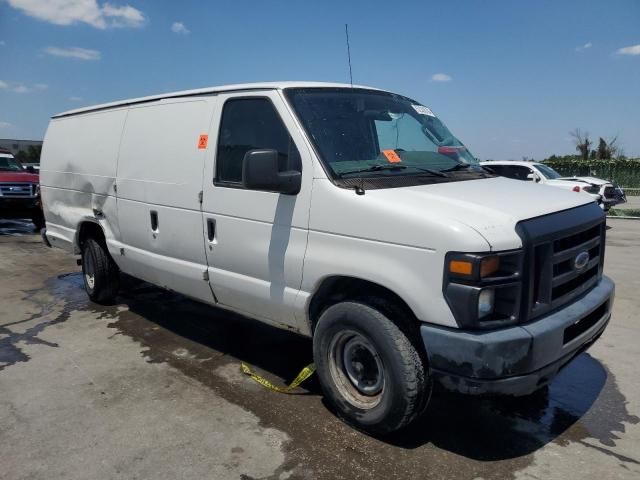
{"x":37,"y":217}
{"x":100,"y":273}
{"x":369,"y":370}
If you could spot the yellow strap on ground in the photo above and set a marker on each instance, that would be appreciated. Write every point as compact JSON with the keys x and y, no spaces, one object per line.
{"x":305,"y":373}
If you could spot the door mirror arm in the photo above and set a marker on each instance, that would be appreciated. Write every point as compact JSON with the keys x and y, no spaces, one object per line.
{"x":260,"y":172}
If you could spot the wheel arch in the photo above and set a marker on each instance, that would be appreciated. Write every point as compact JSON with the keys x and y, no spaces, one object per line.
{"x":337,"y":288}
{"x":88,"y":228}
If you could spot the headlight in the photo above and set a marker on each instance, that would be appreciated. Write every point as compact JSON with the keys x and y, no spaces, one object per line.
{"x":485,"y":302}
{"x":483,"y":290}
{"x":473,"y":267}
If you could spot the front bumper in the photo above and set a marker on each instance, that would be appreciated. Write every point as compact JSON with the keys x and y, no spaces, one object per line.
{"x":520,"y":359}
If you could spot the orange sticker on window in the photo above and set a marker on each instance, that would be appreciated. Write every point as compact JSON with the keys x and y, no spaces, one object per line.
{"x":202,"y":142}
{"x":392,"y":156}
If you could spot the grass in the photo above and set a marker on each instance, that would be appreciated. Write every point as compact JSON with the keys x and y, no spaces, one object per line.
{"x":626,"y":212}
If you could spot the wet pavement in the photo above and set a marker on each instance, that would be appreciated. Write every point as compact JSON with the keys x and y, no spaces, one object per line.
{"x":151,"y":388}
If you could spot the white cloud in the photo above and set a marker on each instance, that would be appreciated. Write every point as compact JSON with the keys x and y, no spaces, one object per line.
{"x":584,"y":47}
{"x":441,"y":77}
{"x":630,"y":50}
{"x":178,"y":27}
{"x":73,"y":52}
{"x":21,"y":88}
{"x":75,"y":99}
{"x":68,"y":12}
{"x":5,"y":125}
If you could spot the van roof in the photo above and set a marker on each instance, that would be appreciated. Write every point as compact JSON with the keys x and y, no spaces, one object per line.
{"x":206,"y":90}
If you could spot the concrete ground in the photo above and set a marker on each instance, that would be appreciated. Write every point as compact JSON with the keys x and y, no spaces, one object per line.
{"x":151,"y":388}
{"x":632,"y":202}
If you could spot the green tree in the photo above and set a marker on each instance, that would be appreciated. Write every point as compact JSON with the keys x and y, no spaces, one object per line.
{"x":582,"y":142}
{"x":33,"y":153}
{"x":22,"y":156}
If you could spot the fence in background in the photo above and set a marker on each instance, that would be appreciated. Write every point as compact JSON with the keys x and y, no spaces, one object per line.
{"x":626,"y":172}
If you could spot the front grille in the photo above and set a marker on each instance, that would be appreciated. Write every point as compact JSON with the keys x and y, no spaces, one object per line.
{"x":17,"y":190}
{"x":554,"y":246}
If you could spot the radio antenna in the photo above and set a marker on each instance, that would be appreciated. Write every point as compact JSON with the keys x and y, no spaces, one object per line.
{"x":346,"y":31}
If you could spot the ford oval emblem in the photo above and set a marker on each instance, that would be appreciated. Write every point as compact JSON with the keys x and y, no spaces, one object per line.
{"x":581,"y":260}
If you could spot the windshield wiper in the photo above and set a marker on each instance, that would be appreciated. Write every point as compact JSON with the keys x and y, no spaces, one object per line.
{"x":467,"y":166}
{"x":376,"y":168}
{"x":458,"y":166}
{"x":373,"y":168}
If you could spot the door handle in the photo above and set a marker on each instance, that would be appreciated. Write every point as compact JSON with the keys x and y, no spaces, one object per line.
{"x":211,"y":229}
{"x":154,"y":220}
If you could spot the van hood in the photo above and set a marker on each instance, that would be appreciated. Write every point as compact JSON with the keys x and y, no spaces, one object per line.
{"x":17,"y":177}
{"x":492,"y":207}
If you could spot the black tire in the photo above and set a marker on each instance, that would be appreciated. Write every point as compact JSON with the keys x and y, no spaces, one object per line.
{"x":379,"y":344}
{"x":100,"y":273}
{"x":37,"y":218}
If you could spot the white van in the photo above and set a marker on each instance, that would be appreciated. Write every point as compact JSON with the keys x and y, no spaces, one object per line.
{"x":348,"y":214}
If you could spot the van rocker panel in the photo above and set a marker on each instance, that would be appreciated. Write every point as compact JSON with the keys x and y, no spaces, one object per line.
{"x":520,"y":359}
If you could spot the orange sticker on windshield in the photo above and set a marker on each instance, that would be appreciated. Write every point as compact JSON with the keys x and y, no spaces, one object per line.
{"x":392,"y":156}
{"x":202,"y":142}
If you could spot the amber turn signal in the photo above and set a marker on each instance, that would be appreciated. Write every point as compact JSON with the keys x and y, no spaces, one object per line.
{"x":489,"y":266}
{"x":461,"y":267}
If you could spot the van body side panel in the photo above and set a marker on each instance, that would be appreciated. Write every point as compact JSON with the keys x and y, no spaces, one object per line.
{"x":159,"y":180}
{"x":78,"y":173}
{"x":256,"y":257}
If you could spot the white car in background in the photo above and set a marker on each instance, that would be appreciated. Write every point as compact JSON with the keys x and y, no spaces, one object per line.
{"x":605,"y":193}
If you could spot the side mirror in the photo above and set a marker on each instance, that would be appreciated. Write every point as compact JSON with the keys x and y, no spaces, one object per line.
{"x":260,"y":172}
{"x":532,"y":176}
{"x":30,"y":169}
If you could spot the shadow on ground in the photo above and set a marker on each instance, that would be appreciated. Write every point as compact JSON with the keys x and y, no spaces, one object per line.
{"x":16,"y":227}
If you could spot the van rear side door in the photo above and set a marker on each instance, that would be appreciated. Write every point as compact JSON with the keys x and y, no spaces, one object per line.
{"x":159,"y":180}
{"x":256,"y":240}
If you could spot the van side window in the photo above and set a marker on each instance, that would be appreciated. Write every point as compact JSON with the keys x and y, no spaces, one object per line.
{"x":249,"y":124}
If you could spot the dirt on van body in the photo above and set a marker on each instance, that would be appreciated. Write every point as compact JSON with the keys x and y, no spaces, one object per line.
{"x":150,"y":387}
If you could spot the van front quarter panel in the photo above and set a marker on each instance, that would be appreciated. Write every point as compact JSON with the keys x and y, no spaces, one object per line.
{"x":397,"y":246}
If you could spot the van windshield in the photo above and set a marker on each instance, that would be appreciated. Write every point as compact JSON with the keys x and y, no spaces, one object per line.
{"x":368,"y":133}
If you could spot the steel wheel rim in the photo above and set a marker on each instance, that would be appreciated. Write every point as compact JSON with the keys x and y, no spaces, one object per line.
{"x":356,"y":369}
{"x":89,"y":272}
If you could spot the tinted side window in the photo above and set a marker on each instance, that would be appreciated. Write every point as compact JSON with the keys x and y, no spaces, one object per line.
{"x":249,"y":124}
{"x":512,"y":171}
{"x":520,"y":173}
{"x":498,"y":169}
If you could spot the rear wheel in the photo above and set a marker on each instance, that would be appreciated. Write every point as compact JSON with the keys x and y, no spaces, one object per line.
{"x":100,"y":273}
{"x":370,"y":371}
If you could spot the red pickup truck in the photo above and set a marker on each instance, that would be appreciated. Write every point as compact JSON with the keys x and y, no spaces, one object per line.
{"x":19,"y":191}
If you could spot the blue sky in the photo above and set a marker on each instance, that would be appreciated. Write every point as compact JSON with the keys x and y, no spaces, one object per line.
{"x":510,"y":78}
